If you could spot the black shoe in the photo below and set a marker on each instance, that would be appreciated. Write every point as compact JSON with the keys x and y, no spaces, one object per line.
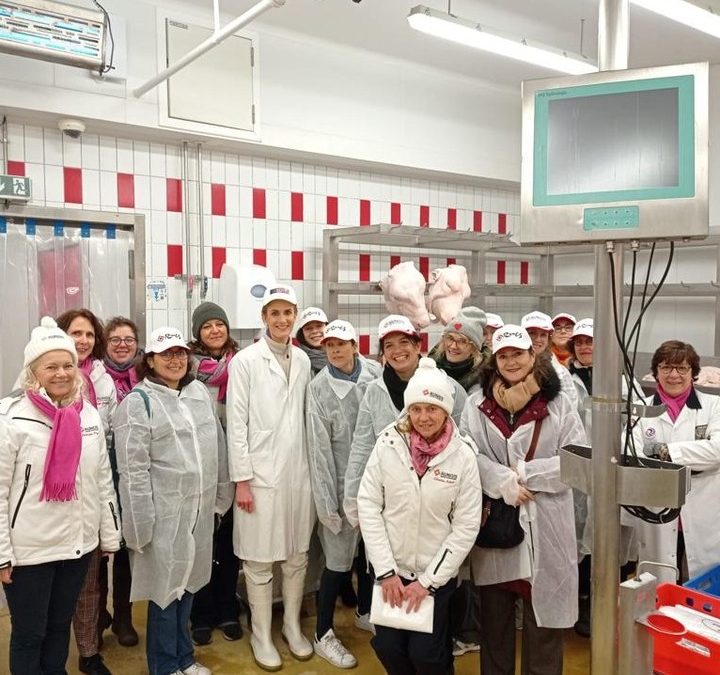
{"x":93,"y":665}
{"x":582,"y":626}
{"x":201,"y":636}
{"x":231,"y":630}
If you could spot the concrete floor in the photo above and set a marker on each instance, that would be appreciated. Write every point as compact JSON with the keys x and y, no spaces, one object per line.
{"x":235,"y":658}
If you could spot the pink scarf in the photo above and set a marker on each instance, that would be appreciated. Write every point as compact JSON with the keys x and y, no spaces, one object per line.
{"x":85,"y":368}
{"x":421,"y":452}
{"x":674,"y":404}
{"x":124,"y":380}
{"x":63,"y":452}
{"x":215,"y":373}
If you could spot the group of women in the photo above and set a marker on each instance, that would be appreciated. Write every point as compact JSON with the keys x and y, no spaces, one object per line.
{"x":220,"y":455}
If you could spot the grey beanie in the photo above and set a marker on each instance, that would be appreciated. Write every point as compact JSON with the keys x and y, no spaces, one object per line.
{"x":470,"y":322}
{"x":204,"y":312}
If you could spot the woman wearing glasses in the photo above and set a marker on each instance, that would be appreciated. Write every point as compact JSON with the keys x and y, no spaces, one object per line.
{"x":687,"y":433}
{"x":172,"y":463}
{"x":121,"y":346}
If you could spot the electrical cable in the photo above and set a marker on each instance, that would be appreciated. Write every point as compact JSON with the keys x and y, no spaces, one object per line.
{"x":109,"y":66}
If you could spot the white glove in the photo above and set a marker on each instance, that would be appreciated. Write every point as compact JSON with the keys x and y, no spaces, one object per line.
{"x":333,"y":522}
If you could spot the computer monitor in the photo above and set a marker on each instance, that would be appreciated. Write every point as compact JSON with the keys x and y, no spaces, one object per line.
{"x":616,"y":155}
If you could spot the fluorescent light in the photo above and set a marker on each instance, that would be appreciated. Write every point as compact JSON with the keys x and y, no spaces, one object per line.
{"x":701,"y":16}
{"x":472,"y":34}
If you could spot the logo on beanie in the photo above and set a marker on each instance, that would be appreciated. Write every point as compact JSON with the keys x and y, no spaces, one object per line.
{"x":458,"y":326}
{"x":432,"y":394}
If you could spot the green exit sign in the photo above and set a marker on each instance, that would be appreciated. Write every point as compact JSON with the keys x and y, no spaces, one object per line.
{"x":15,"y":188}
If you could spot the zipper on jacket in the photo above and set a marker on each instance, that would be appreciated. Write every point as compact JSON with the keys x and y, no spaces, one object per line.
{"x":28,"y":467}
{"x":442,"y":559}
{"x":30,"y":419}
{"x":112,"y":510}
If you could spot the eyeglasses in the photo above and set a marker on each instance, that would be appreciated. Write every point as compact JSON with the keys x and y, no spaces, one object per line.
{"x":116,"y":341}
{"x":681,"y":370}
{"x":179,"y":354}
{"x":459,"y":341}
{"x":564,"y":328}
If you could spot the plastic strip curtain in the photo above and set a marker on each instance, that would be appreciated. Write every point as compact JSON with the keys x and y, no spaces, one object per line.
{"x":106,"y":261}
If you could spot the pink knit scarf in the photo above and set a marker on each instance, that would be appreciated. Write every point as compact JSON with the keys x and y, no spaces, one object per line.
{"x":422,"y":451}
{"x":63,"y":452}
{"x":85,"y":367}
{"x":674,"y":404}
{"x":124,"y":378}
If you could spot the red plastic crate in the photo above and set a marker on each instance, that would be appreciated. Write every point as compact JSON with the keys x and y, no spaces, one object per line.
{"x":687,"y":654}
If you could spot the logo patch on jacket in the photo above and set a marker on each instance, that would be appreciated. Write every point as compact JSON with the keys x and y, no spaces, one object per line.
{"x":444,"y":476}
{"x":650,"y":432}
{"x":701,"y":432}
{"x":94,"y":430}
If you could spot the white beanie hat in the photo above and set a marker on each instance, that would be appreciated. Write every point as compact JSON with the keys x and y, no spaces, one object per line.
{"x":431,"y":385}
{"x":47,"y":337}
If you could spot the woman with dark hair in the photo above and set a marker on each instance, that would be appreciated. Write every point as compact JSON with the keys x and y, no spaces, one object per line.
{"x":57,"y":503}
{"x":519,"y":421}
{"x":87,"y":332}
{"x":216,"y":604}
{"x":121,"y":341}
{"x":172,"y":462}
{"x":309,"y":334}
{"x":687,"y":433}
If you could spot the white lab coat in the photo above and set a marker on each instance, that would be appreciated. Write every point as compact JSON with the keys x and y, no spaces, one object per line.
{"x":420,"y":528}
{"x":331,"y":410}
{"x":173,"y":479}
{"x":377,"y":411}
{"x":267,"y":446}
{"x":566,"y":382}
{"x":693,"y":441}
{"x":547,"y":557}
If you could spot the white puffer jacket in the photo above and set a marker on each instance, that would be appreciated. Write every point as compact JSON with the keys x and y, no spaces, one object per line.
{"x":34,"y":531}
{"x":420,"y":528}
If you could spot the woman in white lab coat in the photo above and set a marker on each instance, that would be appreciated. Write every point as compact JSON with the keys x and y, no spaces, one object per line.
{"x":687,"y":433}
{"x":521,"y":399}
{"x":274,"y":511}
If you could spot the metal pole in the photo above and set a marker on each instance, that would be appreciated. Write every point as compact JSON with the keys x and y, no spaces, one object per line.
{"x":613,"y":46}
{"x":201,"y":221}
{"x":215,"y":39}
{"x":189,"y":281}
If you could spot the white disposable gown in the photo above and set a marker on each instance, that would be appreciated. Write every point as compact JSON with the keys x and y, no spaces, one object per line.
{"x":173,"y":479}
{"x":267,"y":446}
{"x":331,"y":411}
{"x":377,"y":411}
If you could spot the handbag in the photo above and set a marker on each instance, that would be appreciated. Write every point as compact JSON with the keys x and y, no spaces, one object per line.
{"x":383,"y":614}
{"x":500,"y":523}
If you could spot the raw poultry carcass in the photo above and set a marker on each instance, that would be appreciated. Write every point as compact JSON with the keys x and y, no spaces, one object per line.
{"x":449,"y":288}
{"x":404,"y":289}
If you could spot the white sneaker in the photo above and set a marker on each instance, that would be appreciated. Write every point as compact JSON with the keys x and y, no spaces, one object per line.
{"x":334,"y":651}
{"x":460,"y":647}
{"x":197,"y":669}
{"x":362,"y":621}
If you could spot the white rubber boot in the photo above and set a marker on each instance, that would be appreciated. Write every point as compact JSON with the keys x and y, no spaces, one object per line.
{"x":293,"y":588}
{"x":260,"y":600}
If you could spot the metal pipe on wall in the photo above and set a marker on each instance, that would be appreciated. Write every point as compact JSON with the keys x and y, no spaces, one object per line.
{"x":201,"y":225}
{"x":613,"y":46}
{"x":188,"y":277}
{"x":215,"y":39}
{"x":5,"y":144}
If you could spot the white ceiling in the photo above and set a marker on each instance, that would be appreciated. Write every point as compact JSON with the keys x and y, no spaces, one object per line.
{"x":380,"y":26}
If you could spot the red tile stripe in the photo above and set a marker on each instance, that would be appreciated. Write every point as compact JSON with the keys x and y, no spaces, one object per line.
{"x":258,"y":203}
{"x":72,"y":180}
{"x":217,"y":199}
{"x":296,"y":207}
{"x":425,"y":266}
{"x":452,"y":219}
{"x":15,"y":168}
{"x":423,"y":342}
{"x":502,"y":223}
{"x":364,"y":267}
{"x":424,"y":216}
{"x":452,"y":261}
{"x":174,"y":195}
{"x":364,"y":212}
{"x":219,"y":254}
{"x":395,"y":214}
{"x":126,"y":190}
{"x":501,"y":271}
{"x":297,"y":267}
{"x":477,"y":221}
{"x":394,"y":260}
{"x":332,"y":211}
{"x":260,"y":257}
{"x":364,"y":344}
{"x":174,"y":259}
{"x":524,"y":272}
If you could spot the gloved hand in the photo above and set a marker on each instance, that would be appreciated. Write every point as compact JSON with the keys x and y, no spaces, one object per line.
{"x":657,"y":451}
{"x":510,"y":489}
{"x":333,"y":522}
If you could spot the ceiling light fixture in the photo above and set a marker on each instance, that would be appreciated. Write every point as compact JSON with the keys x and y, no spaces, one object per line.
{"x":451,"y":27}
{"x":701,"y":15}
